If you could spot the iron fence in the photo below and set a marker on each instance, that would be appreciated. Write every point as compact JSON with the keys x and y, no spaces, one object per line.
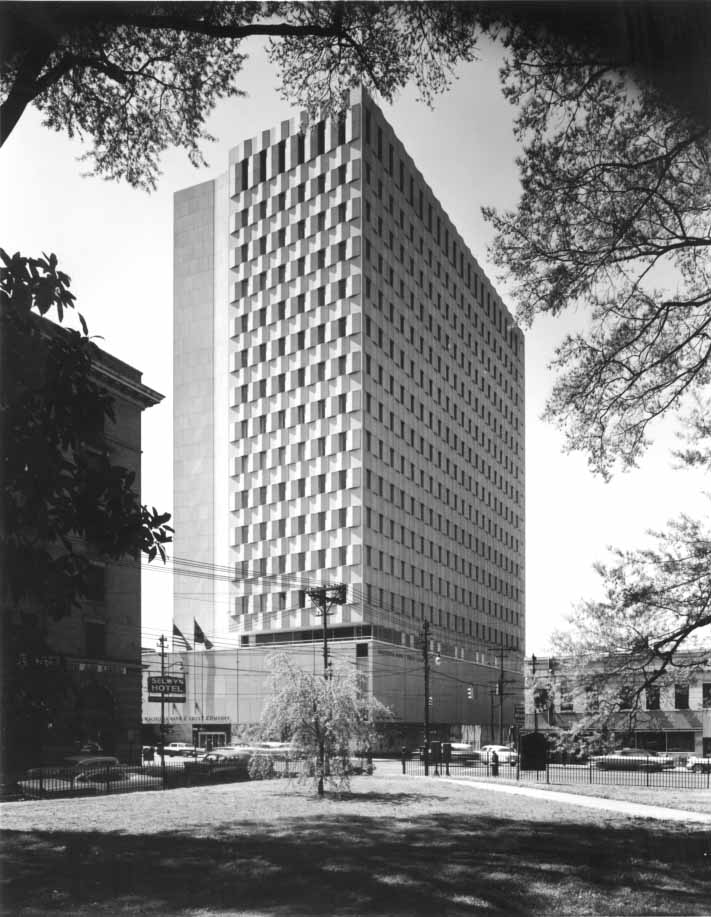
{"x":65,"y":780}
{"x":676,"y":777}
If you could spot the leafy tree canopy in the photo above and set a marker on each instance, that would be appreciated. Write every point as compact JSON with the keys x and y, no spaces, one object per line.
{"x":612,"y":218}
{"x":135,"y":78}
{"x":327,"y":720}
{"x":60,"y":489}
{"x":650,"y":631}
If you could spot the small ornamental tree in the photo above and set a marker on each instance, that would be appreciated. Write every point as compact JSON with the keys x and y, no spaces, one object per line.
{"x":326,"y":720}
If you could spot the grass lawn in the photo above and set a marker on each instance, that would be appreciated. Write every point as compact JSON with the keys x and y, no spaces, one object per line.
{"x":391,"y":846}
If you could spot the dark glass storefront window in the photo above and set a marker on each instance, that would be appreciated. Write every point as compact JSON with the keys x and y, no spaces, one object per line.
{"x":680,"y":741}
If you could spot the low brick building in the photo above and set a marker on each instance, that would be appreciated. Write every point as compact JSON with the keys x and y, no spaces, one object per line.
{"x":674,"y":717}
{"x":80,"y":673}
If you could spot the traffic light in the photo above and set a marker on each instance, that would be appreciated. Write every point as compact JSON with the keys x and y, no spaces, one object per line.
{"x":429,"y":701}
{"x":470,"y":692}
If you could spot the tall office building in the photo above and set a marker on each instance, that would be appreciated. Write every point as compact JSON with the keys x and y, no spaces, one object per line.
{"x":349,"y":396}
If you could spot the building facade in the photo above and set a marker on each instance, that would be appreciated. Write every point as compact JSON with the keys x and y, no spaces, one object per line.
{"x":83,"y":668}
{"x":349,"y":397}
{"x":672,"y":717}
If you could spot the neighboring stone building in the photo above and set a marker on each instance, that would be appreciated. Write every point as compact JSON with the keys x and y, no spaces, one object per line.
{"x":673,"y":718}
{"x":87,"y":663}
{"x":349,"y":407}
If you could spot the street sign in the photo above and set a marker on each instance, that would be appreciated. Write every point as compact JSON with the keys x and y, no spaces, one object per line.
{"x":166,"y":688}
{"x":519,"y":715}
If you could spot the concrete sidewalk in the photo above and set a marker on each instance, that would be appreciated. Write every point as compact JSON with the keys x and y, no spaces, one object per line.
{"x":633,"y":809}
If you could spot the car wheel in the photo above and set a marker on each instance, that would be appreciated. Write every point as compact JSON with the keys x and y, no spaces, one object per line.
{"x":695,"y":769}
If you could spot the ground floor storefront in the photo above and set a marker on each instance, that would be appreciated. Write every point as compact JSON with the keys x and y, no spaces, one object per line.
{"x":219,"y":694}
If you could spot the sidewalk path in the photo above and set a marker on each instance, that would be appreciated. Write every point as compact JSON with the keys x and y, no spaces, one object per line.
{"x":634,"y":809}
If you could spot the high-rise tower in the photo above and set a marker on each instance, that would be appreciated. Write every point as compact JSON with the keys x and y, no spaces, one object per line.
{"x":349,"y":396}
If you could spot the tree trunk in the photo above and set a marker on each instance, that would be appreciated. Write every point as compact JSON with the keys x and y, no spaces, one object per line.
{"x":24,"y":87}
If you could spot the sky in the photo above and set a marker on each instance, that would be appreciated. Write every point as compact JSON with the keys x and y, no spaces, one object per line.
{"x":116,"y":244}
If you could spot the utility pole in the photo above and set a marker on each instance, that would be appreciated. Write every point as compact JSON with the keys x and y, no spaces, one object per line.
{"x":501,"y":696}
{"x":325,"y":597}
{"x":425,"y":637}
{"x":491,"y":715}
{"x":162,"y":642}
{"x":533,"y":693}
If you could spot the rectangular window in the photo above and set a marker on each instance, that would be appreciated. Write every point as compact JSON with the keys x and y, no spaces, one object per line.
{"x":681,"y":697}
{"x":95,"y":583}
{"x":706,"y":695}
{"x":95,"y":639}
{"x":653,"y":697}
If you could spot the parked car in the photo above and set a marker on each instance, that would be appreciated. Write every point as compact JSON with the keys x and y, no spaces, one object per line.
{"x":698,"y":765}
{"x":632,"y":759}
{"x":184,"y":749}
{"x":77,"y":776}
{"x":505,"y":754}
{"x":226,"y":763}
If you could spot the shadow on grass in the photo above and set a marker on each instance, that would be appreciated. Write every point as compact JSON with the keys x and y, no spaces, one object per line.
{"x":392,"y":799}
{"x":442,"y":864}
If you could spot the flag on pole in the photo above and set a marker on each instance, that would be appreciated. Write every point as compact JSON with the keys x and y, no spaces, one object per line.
{"x":179,"y":638}
{"x":199,"y":636}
